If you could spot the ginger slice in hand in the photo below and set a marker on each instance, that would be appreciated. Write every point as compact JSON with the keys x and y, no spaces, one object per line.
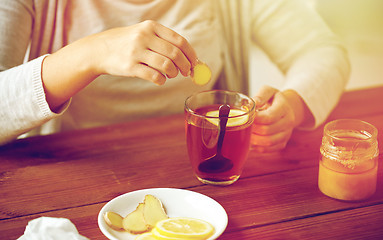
{"x":201,"y":73}
{"x":153,"y":210}
{"x":114,"y":220}
{"x":134,"y":222}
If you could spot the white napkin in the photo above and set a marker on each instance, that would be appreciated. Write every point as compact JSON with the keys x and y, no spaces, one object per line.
{"x":48,"y":228}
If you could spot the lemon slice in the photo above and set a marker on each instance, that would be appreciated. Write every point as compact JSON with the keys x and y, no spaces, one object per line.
{"x":231,"y":121}
{"x":201,"y":73}
{"x":158,"y":236}
{"x":183,"y":228}
{"x":146,"y":236}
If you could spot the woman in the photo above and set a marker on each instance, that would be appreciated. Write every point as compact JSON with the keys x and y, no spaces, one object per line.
{"x":93,"y":63}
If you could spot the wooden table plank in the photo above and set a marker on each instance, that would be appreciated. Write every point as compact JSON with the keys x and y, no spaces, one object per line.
{"x":107,"y":142}
{"x":87,"y":182}
{"x":280,"y":197}
{"x":359,"y":103}
{"x":361,"y":223}
{"x":266,"y":200}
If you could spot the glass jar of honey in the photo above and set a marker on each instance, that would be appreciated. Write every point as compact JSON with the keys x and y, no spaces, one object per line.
{"x":349,"y":160}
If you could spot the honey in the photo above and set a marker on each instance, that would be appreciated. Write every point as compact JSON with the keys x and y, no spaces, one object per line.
{"x":349,"y":160}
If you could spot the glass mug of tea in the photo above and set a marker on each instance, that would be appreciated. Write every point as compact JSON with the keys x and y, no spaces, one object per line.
{"x":218,"y":131}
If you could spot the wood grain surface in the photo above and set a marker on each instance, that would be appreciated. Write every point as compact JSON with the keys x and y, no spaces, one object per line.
{"x":73,"y":174}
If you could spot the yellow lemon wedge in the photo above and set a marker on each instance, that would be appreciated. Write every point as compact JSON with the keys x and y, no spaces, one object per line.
{"x":146,"y":236}
{"x":183,"y":228}
{"x":237,"y":121}
{"x":201,"y":73}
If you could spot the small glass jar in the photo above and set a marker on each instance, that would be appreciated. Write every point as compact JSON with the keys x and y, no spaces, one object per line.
{"x":349,"y":160}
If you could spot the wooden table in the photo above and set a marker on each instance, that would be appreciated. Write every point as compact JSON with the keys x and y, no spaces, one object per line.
{"x":73,"y":174}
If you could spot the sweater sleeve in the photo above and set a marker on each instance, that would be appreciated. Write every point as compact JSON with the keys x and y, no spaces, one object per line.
{"x":312,"y":58}
{"x":22,"y":100}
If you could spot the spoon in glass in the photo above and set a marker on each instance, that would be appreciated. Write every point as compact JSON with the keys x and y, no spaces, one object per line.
{"x":218,"y":163}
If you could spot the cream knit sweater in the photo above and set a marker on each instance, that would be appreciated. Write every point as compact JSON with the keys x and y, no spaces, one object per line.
{"x":221,"y":31}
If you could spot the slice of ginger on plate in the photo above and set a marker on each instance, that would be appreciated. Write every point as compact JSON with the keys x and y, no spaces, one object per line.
{"x":141,"y":220}
{"x":153,"y":210}
{"x":134,"y":222}
{"x":114,"y":220}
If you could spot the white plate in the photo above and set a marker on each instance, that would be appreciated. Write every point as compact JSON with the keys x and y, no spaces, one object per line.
{"x":177,"y":202}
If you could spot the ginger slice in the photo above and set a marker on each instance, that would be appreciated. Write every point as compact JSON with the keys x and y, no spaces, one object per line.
{"x":201,"y":73}
{"x":153,"y":210}
{"x":134,"y":222}
{"x":114,"y":220}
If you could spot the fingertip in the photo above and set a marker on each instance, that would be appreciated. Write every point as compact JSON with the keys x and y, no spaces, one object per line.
{"x":194,"y":62}
{"x":172,"y":74}
{"x":265,"y":94}
{"x":158,"y":78}
{"x":187,"y":74}
{"x":160,"y":82}
{"x":258,"y":101}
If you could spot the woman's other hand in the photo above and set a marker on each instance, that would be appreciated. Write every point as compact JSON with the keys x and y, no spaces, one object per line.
{"x":278,"y":114}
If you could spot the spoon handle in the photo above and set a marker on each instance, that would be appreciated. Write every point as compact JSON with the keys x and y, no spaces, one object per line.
{"x":224,"y":111}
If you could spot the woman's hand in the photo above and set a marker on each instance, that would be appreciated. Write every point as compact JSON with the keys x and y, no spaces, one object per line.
{"x":279,"y":113}
{"x":146,"y":50}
